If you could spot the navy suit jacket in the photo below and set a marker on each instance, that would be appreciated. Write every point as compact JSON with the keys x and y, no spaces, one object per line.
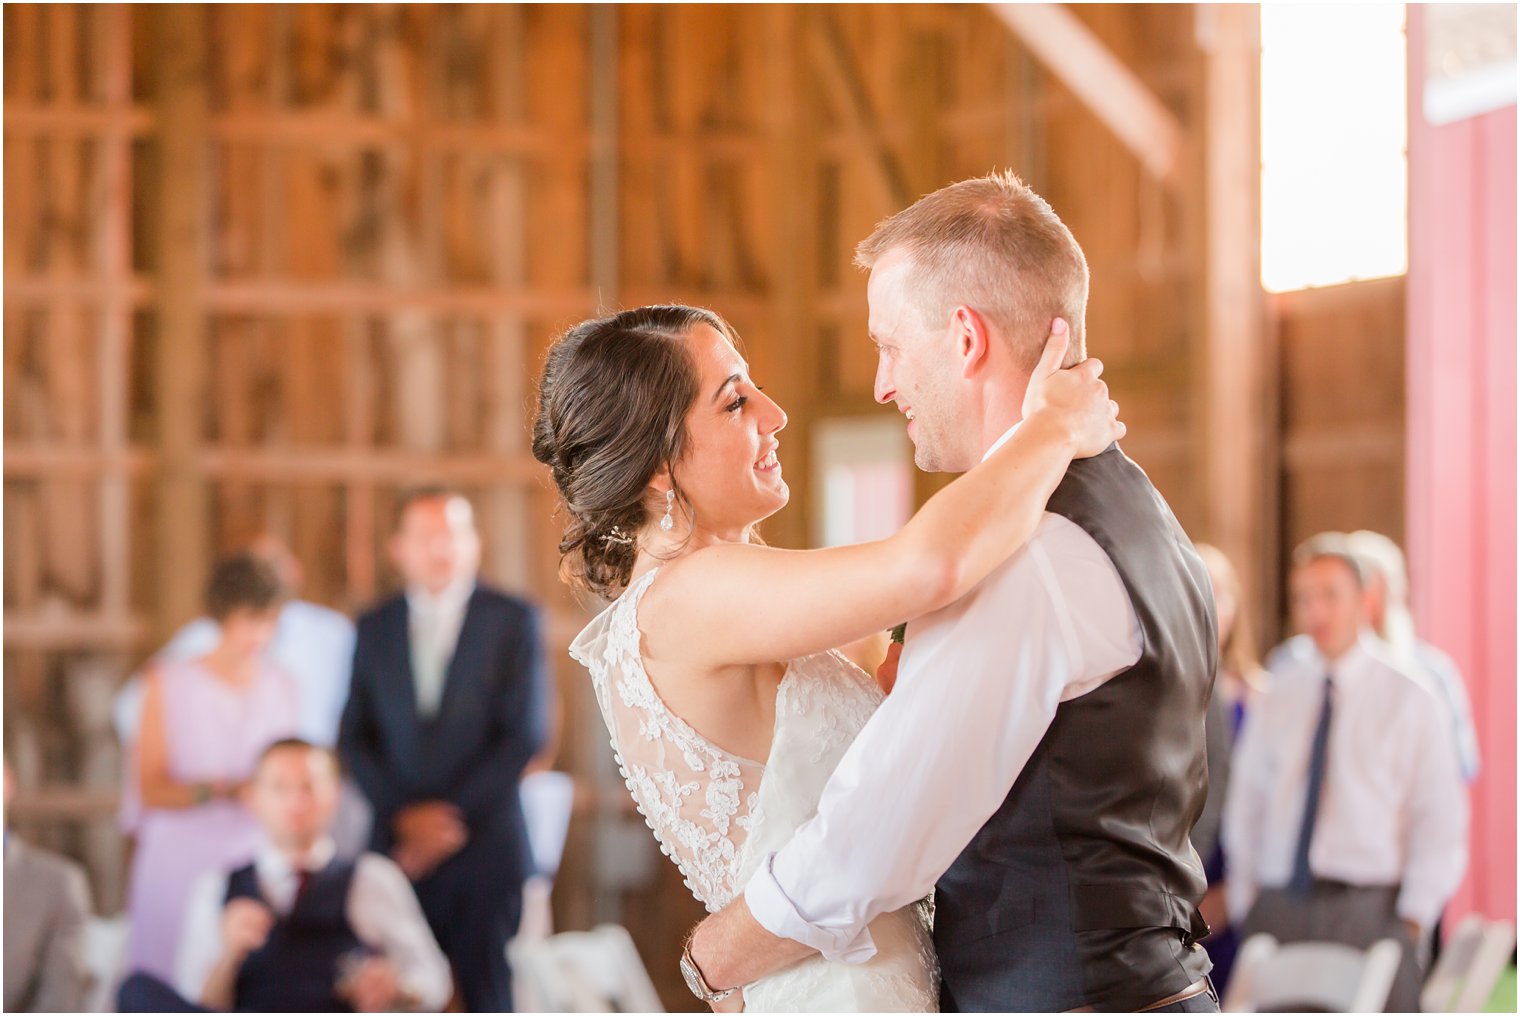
{"x":493,"y":718}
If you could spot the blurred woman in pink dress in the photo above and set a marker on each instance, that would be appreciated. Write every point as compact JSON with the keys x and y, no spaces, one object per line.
{"x":204,"y":723}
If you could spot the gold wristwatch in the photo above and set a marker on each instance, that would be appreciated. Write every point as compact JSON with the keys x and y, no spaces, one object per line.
{"x":697,"y":983}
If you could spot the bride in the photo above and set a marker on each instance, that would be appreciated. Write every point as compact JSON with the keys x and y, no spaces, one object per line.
{"x":714,"y":665}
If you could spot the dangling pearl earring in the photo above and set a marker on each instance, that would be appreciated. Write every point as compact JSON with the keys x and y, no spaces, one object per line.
{"x":668,"y":522}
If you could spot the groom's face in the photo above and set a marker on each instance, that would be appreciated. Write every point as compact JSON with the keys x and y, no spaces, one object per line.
{"x":916,"y":368}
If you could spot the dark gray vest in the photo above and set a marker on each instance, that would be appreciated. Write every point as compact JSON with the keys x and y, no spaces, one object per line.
{"x":1082,"y":889}
{"x":296,"y":968}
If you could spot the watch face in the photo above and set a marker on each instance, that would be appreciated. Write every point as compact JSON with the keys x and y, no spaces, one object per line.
{"x":693,"y":979}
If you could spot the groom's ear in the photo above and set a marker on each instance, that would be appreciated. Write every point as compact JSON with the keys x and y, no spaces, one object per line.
{"x":972,"y":341}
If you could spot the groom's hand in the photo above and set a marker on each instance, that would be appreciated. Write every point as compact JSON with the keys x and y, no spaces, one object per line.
{"x":886,"y":674}
{"x":731,"y":948}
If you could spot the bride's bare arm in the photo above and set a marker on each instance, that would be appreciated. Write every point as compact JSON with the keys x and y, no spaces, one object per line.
{"x":736,"y":604}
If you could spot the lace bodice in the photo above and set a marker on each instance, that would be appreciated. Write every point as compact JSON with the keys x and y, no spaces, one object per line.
{"x":718,"y":815}
{"x":702,"y":802}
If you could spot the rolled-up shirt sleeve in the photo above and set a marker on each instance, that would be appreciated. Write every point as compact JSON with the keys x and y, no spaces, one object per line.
{"x":385,"y":915}
{"x":200,"y":946}
{"x":978,"y":686}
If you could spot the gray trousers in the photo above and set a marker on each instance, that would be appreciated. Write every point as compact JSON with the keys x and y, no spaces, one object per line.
{"x":1351,"y":915}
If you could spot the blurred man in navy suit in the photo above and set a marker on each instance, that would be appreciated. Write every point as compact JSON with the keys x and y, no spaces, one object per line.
{"x":447,"y":707}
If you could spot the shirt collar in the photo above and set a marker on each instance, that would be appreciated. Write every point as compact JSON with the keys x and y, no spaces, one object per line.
{"x":452,"y":597}
{"x":1000,"y":442}
{"x":274,"y":864}
{"x":1348,"y":667}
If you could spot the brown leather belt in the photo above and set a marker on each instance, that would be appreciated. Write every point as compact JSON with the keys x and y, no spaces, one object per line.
{"x":1193,"y":990}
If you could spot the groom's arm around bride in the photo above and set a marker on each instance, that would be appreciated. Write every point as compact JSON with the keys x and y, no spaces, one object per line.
{"x":1040,"y":762}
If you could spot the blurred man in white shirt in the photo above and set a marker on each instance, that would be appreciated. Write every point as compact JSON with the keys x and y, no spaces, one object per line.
{"x":298,"y":929}
{"x":1346,"y":818}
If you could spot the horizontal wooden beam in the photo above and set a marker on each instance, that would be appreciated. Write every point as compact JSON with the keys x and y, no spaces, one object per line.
{"x":326,"y":129}
{"x":32,"y":458}
{"x":73,"y":631}
{"x":22,"y":290}
{"x":338,"y":464}
{"x":1115,"y":94}
{"x":1334,"y":446}
{"x":46,"y":120}
{"x":287,"y":297}
{"x":347,"y":463}
{"x":284,"y":298}
{"x":61,"y":802}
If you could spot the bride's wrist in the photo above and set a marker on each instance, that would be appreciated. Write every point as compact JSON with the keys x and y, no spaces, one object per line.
{"x":1049,"y":426}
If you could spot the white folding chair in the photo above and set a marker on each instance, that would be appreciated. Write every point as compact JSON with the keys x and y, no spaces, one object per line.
{"x":548,"y":798}
{"x":582,"y":971}
{"x":1325,"y":976}
{"x":1471,"y":964}
{"x":105,"y":949}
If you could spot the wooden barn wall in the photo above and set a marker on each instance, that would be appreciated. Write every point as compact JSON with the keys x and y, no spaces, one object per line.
{"x":265,"y":266}
{"x":1341,"y":352}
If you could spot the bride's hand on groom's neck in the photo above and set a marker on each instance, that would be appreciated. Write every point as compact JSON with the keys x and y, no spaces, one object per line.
{"x":1075,"y":399}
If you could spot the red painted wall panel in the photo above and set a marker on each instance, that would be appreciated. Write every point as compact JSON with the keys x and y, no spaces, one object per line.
{"x":1462,"y":449}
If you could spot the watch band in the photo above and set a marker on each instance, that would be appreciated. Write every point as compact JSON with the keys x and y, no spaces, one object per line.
{"x":697,"y":983}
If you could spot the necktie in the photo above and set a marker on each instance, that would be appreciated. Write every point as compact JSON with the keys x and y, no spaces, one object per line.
{"x":303,"y":881}
{"x":1302,"y":879}
{"x":426,"y":666}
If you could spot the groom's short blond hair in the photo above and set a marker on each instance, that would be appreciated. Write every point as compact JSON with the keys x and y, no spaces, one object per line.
{"x":996,"y":246}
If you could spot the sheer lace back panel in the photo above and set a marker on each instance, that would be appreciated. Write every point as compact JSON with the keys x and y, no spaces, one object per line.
{"x":697,"y":798}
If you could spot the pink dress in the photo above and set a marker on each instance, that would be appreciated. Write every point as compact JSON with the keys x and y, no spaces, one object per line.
{"x":215,"y":731}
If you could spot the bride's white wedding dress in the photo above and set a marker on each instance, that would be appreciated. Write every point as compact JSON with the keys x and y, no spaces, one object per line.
{"x":717,"y":815}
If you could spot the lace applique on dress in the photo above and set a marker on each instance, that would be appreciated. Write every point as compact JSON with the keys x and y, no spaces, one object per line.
{"x":697,"y":798}
{"x":718,"y":816}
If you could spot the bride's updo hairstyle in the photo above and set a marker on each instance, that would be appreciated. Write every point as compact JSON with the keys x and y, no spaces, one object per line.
{"x":612,"y":404}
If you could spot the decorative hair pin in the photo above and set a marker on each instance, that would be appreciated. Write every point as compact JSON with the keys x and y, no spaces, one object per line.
{"x":617,"y":536}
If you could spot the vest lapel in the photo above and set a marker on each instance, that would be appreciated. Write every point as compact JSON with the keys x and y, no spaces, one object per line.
{"x":402,"y":691}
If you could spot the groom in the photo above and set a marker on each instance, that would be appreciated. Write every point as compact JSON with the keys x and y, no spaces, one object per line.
{"x":1040,"y":762}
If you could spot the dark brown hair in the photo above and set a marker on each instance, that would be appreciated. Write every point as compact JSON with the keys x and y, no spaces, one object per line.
{"x":298,"y":744}
{"x":612,"y":404}
{"x":243,"y":581}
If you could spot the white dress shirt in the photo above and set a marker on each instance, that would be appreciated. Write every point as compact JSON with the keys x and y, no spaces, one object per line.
{"x":382,"y":911}
{"x":977,"y":688}
{"x":1393,"y":808}
{"x":1440,"y":672}
{"x":433,"y":623}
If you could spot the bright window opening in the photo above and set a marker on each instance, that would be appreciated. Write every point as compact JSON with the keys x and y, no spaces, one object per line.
{"x":1334,"y":173}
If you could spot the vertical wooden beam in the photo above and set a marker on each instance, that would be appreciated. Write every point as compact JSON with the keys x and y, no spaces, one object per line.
{"x":1239,"y":428}
{"x":612,"y":880}
{"x":113,"y":38}
{"x":507,"y":364}
{"x":793,"y":174}
{"x":182,"y":517}
{"x":603,"y":213}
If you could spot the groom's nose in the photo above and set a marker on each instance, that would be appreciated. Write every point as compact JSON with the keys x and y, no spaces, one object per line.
{"x":884,"y":389}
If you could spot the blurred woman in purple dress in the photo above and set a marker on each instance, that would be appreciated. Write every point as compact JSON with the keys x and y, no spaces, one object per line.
{"x":204,"y":723}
